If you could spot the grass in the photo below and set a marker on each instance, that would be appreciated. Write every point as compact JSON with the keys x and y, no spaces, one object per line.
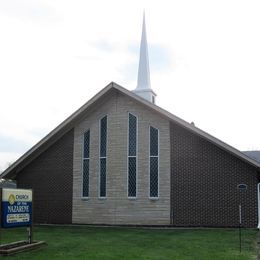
{"x":82,"y":242}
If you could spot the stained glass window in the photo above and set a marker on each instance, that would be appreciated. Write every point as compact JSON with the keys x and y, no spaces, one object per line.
{"x":102,"y":191}
{"x":102,"y":157}
{"x":85,"y":166}
{"x":132,"y":151}
{"x":154,"y":162}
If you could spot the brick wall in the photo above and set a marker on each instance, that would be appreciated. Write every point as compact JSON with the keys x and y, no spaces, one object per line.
{"x":204,"y":181}
{"x":197,"y":186}
{"x":50,"y":177}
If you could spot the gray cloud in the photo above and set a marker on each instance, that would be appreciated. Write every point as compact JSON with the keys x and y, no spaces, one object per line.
{"x":104,"y":45}
{"x":160,"y":57}
{"x":10,"y":145}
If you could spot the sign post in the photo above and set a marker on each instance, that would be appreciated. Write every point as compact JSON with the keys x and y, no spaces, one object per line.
{"x":242,"y":189}
{"x":240,"y":222}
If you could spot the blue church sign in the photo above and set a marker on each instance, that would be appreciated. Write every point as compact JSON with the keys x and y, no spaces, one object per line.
{"x":16,"y":208}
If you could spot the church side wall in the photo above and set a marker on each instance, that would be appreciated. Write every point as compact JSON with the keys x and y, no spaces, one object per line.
{"x":50,"y":177}
{"x":116,"y":208}
{"x":204,"y":184}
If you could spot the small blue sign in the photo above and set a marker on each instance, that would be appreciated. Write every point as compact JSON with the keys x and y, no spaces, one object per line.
{"x":16,"y":208}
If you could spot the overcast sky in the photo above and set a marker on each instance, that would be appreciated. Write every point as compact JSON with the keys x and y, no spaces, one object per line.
{"x":55,"y":55}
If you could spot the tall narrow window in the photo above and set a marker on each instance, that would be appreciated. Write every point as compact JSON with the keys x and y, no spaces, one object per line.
{"x":85,"y":166}
{"x":154,"y":162}
{"x":103,"y":157}
{"x":132,"y":148}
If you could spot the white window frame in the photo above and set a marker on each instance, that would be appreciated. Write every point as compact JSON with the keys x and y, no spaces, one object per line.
{"x":82,"y":166}
{"x":102,"y":157}
{"x":131,"y":156}
{"x":158,"y":156}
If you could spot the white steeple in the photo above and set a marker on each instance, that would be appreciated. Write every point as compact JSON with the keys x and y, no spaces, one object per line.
{"x":143,"y":88}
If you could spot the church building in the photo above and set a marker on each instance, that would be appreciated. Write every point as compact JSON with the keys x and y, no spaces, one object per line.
{"x":122,"y":160}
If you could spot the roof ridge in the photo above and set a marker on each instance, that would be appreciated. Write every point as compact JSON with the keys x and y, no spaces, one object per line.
{"x":68,"y":122}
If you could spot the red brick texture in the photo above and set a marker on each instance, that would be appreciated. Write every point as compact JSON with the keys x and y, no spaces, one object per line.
{"x":50,"y":177}
{"x":204,"y":181}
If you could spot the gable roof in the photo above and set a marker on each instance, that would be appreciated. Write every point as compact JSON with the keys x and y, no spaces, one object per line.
{"x":253,"y":154}
{"x":69,"y":123}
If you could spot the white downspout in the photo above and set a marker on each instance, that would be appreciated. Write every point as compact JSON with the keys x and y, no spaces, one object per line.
{"x":258,"y":200}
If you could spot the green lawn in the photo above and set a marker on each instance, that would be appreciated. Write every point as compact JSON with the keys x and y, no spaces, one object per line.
{"x":83,"y":242}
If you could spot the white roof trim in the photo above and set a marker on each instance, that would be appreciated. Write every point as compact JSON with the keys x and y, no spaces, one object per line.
{"x":152,"y":106}
{"x":56,"y":130}
{"x":191,"y":127}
